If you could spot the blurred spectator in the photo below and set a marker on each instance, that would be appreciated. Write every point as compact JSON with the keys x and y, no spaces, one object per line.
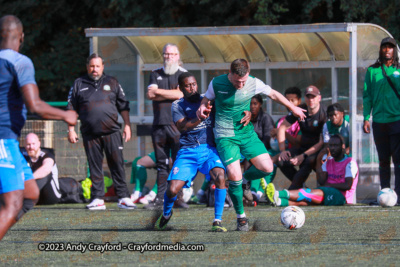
{"x":44,"y":170}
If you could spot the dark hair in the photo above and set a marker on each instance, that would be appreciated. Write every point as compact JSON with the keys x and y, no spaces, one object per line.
{"x":342,"y":142}
{"x":334,"y":107}
{"x":259,"y":98}
{"x":182,"y":77}
{"x":380,"y":60}
{"x":92,"y":56}
{"x":293,"y":90}
{"x":240,"y":67}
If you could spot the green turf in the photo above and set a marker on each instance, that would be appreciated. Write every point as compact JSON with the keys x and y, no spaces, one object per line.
{"x":331,"y":236}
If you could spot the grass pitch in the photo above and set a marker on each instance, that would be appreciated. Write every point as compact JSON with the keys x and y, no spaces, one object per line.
{"x":332,"y":236}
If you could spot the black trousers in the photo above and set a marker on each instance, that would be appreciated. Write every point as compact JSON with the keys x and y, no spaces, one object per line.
{"x":112,"y":147}
{"x":49,"y":191}
{"x":298,"y":177}
{"x":387,"y":142}
{"x":166,"y":144}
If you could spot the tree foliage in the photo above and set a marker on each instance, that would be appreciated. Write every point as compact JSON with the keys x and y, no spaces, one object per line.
{"x":55,"y":38}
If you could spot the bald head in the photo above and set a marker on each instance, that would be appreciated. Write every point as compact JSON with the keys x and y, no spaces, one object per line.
{"x":32,"y":145}
{"x":11,"y":32}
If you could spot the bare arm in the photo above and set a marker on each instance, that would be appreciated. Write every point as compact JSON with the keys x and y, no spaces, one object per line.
{"x":295,"y":141}
{"x":185,"y":125}
{"x":285,"y":155}
{"x":314,"y":149}
{"x":342,"y":186}
{"x":203,"y":111}
{"x":127,"y":133}
{"x":246,"y":118}
{"x":30,"y":93}
{"x":158,"y":94}
{"x":321,"y":176}
{"x":45,"y":169}
{"x":278,"y":97}
{"x":72,"y":135}
{"x":366,"y":127}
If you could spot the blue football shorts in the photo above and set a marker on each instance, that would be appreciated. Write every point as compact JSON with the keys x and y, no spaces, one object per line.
{"x":14,"y":169}
{"x":202,"y":158}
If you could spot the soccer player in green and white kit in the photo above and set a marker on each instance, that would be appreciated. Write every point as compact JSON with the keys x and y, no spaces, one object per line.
{"x":232,"y":94}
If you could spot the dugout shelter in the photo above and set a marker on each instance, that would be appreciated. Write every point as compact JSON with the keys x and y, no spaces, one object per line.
{"x":334,"y":57}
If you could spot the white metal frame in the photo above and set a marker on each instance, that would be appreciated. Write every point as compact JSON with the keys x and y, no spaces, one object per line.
{"x":351,"y":28}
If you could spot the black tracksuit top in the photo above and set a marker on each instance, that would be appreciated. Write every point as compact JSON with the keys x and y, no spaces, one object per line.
{"x":98,"y":104}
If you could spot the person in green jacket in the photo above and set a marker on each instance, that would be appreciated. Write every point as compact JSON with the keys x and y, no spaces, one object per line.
{"x":380,"y":98}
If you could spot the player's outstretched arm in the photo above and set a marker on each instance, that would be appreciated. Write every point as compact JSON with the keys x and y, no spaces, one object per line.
{"x":278,"y":97}
{"x":30,"y":93}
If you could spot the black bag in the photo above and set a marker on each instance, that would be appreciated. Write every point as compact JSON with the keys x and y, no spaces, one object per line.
{"x":71,"y":191}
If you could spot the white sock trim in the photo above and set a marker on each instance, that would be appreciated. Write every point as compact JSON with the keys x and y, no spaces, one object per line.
{"x":241,"y":215}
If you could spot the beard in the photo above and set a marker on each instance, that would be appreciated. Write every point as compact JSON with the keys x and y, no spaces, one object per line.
{"x":170,"y":68}
{"x":95,"y":78}
{"x":32,"y":152}
{"x":193,"y":98}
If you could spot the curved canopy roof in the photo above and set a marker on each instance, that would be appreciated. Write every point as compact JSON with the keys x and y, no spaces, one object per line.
{"x":289,"y":43}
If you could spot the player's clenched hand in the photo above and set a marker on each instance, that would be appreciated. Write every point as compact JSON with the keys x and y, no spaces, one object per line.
{"x":246,"y":119}
{"x":152,"y":92}
{"x":71,"y":117}
{"x":296,"y":161}
{"x":285,"y":155}
{"x":367,"y":127}
{"x":72,"y":137}
{"x":299,"y":112}
{"x":127,"y":133}
{"x":204,"y":111}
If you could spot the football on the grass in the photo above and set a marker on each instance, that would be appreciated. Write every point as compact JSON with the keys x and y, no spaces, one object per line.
{"x":387,"y":197}
{"x":293,"y":217}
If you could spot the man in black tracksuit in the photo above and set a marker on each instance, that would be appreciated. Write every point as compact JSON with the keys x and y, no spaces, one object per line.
{"x":98,"y":98}
{"x":311,"y":140}
{"x":163,"y":90}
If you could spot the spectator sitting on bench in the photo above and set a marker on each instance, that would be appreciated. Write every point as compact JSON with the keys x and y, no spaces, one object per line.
{"x":44,"y":170}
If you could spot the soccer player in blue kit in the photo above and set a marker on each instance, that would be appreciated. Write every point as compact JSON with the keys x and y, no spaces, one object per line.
{"x":18,"y":189}
{"x":197,"y":152}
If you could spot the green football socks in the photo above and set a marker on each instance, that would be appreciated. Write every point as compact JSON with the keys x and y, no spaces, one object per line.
{"x":236,"y":193}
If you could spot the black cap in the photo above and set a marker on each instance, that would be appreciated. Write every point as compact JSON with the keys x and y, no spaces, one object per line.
{"x":389,"y":40}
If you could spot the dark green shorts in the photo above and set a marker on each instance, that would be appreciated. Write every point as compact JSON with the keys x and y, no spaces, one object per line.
{"x":332,"y":196}
{"x":231,"y":148}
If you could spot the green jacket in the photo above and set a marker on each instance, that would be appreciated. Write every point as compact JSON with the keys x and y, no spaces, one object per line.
{"x":379,"y":97}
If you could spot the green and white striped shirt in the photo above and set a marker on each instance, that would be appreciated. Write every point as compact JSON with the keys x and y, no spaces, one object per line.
{"x":230,"y":103}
